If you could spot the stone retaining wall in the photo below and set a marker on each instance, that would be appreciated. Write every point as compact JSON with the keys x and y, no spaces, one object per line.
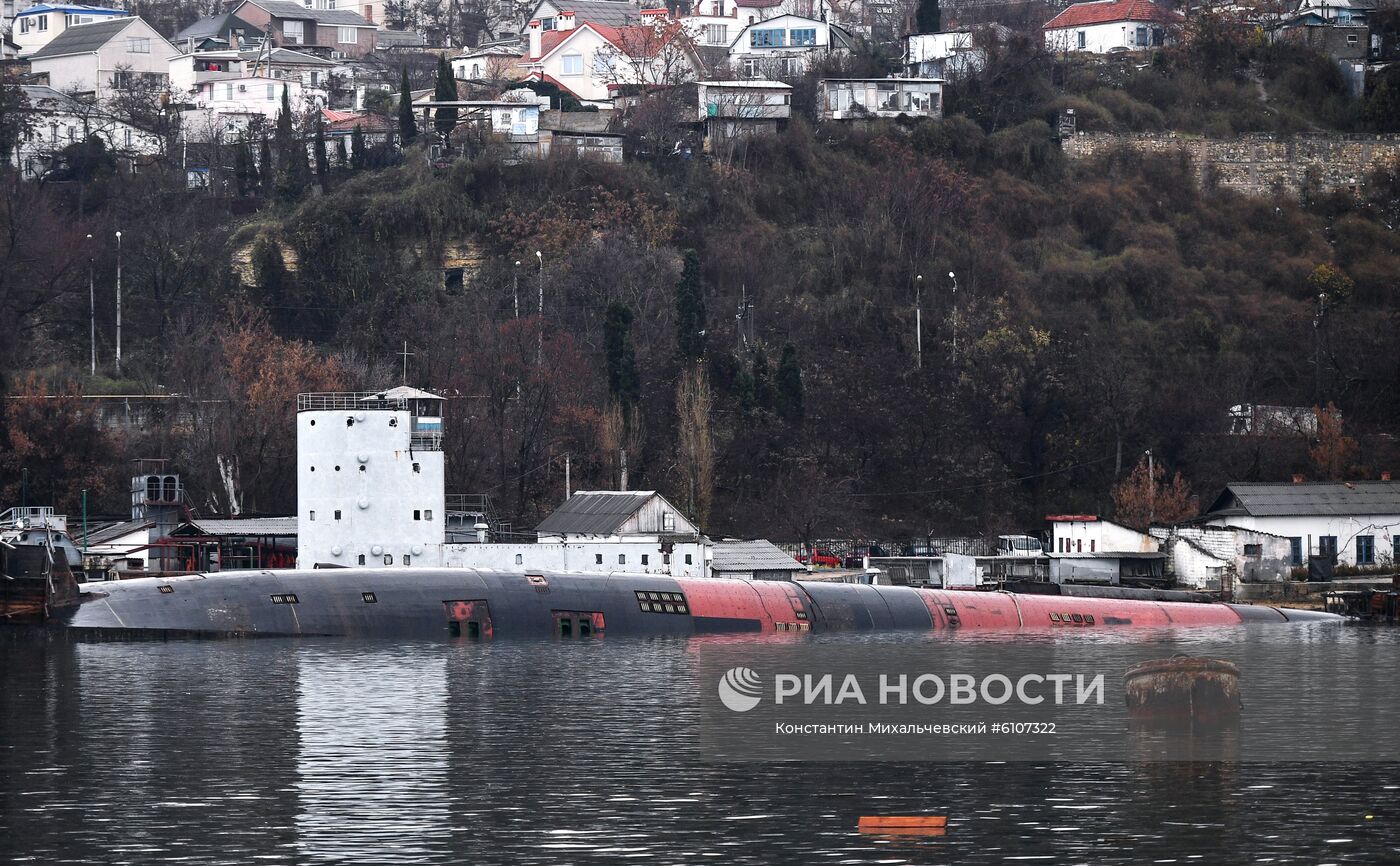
{"x":1258,"y":164}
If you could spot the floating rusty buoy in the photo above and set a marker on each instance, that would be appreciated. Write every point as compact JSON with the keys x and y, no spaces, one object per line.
{"x":1183,"y":689}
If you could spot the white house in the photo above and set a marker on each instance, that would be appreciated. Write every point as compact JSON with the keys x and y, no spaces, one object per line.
{"x":100,"y":58}
{"x":1088,"y":533}
{"x":786,"y":46}
{"x":953,"y":54}
{"x":230,"y":106}
{"x":864,"y":98}
{"x":188,"y":71}
{"x":59,"y":120}
{"x":494,"y":63}
{"x":41,"y":24}
{"x":734,"y":110}
{"x":593,"y":60}
{"x":610,"y":13}
{"x":1102,"y":26}
{"x":1357,"y":522}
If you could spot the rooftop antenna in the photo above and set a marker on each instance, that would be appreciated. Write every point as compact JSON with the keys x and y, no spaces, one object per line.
{"x":406,"y":355}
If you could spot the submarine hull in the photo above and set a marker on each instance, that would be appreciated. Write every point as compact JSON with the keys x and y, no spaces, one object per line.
{"x":473,"y":603}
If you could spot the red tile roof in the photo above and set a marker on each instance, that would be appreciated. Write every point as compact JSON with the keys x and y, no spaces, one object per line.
{"x":634,"y":40}
{"x":1109,"y":11}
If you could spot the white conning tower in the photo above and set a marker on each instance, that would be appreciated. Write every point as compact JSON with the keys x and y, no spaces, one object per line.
{"x":370,"y":479}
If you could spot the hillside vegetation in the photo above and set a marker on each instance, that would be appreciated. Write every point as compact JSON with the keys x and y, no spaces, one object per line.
{"x":1101,"y":309}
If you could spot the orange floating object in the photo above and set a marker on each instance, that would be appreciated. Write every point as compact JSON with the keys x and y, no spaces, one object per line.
{"x":902,"y":822}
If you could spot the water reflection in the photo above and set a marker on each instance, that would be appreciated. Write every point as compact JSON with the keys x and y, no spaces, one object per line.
{"x":371,"y":763}
{"x":297,"y":751}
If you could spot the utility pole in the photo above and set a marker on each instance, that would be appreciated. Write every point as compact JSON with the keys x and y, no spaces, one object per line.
{"x":1317,"y":347}
{"x":85,"y":525}
{"x":1151,"y":489}
{"x":406,"y":355}
{"x":919,"y":322}
{"x":515,"y":288}
{"x":567,"y":492}
{"x":119,"y":304}
{"x":740,"y":337}
{"x":622,"y":461}
{"x":954,"y":277}
{"x":92,"y":313}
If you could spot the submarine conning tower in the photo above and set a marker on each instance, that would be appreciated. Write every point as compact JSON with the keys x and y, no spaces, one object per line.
{"x":370,"y":479}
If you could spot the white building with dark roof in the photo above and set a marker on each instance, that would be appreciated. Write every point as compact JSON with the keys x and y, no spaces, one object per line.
{"x":40,"y":24}
{"x":101,"y":58}
{"x":1354,"y":522}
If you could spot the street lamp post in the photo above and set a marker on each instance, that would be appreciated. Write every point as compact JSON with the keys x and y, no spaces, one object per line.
{"x":918,"y":321}
{"x":539,"y":349}
{"x":92,"y":313}
{"x":515,"y":288}
{"x":954,"y":277}
{"x":119,"y":304}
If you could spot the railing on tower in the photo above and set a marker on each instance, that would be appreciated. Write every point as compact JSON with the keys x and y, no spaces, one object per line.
{"x":364,"y":400}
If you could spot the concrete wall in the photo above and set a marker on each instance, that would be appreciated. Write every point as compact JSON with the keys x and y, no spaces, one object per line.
{"x":1098,"y":536}
{"x":1382,"y":528}
{"x":1256,"y":164}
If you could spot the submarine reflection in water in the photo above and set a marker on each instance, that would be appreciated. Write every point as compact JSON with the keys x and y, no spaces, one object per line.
{"x":473,"y":603}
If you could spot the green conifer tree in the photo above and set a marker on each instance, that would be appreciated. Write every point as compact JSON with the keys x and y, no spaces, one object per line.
{"x":690,"y":310}
{"x":445,"y":91}
{"x":358,"y":150}
{"x":789,"y":382}
{"x":621,"y":357}
{"x":408,"y":126}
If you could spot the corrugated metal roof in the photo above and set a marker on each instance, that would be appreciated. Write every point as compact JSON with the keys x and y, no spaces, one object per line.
{"x":285,"y":57}
{"x":1286,"y":499}
{"x":595,"y":512}
{"x":116,"y":530}
{"x":298,"y":12}
{"x":83,"y":38}
{"x":240,"y":526}
{"x":757,"y":555}
{"x":399,"y":39}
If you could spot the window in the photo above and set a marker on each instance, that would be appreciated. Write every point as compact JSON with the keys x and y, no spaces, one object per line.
{"x":346,"y":35}
{"x":1351,"y":38}
{"x":313,"y":515}
{"x":1395,"y":550}
{"x":128,"y":138}
{"x":662,"y":602}
{"x":1091,"y":545}
{"x":417,"y":515}
{"x":717,"y":34}
{"x":771,"y":38}
{"x":1327,"y":546}
{"x":520,"y":559}
{"x":1081,"y":37}
{"x":42,"y":22}
{"x":24,"y":25}
{"x":1295,"y":551}
{"x":388,"y":559}
{"x":668,"y":522}
{"x":138,"y":45}
{"x":622,"y":559}
{"x":337,"y":514}
{"x":428,"y":514}
{"x":72,"y":133}
{"x":292,"y":31}
{"x":228,"y":92}
{"x":1079,"y":545}
{"x":804,"y":38}
{"x":645,"y":558}
{"x":546,"y":23}
{"x":597,"y":559}
{"x":687,"y":560}
{"x":121,"y":80}
{"x":665,"y":559}
{"x":70,"y":20}
{"x":1365,"y":550}
{"x":573,"y":64}
{"x":407,"y":560}
{"x":602,"y":64}
{"x":360,"y":560}
{"x":417,"y":469}
{"x":271,"y":95}
{"x":1141,"y":37}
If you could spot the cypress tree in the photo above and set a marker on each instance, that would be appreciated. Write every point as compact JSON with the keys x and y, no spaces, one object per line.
{"x":357,"y":148}
{"x":789,"y":381}
{"x":445,"y":91}
{"x":293,"y":173}
{"x":408,"y":127}
{"x":690,"y":310}
{"x":242,"y":166}
{"x":342,"y":160}
{"x":621,"y":357}
{"x":762,"y":380}
{"x":929,"y":17}
{"x":323,"y":163}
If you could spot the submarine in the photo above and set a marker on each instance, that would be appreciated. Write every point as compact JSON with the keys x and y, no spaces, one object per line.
{"x":480,"y":604}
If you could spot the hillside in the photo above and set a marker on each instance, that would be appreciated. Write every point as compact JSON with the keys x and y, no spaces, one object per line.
{"x":1098,"y":309}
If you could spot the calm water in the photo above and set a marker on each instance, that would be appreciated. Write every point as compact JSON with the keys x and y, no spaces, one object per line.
{"x":336,"y":751}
